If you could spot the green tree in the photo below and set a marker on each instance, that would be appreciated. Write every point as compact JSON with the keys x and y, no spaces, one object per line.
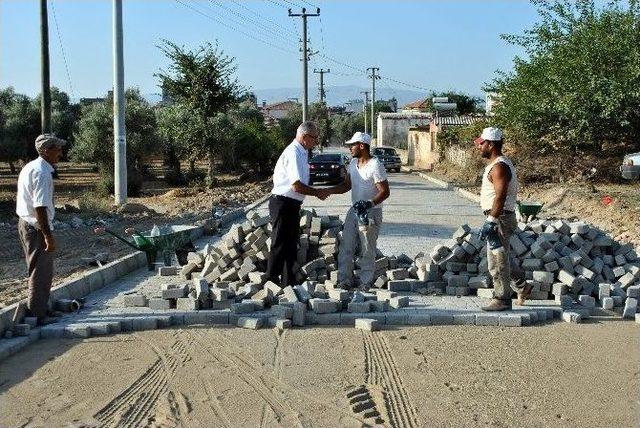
{"x":344,"y":126}
{"x":579,"y":86}
{"x":94,"y":139}
{"x":202,"y":81}
{"x":19,"y":127}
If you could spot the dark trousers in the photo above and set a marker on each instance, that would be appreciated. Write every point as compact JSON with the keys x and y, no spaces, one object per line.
{"x":39,"y":266}
{"x":285,"y":234}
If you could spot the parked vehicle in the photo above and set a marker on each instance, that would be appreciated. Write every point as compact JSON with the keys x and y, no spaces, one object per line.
{"x":328,"y":167}
{"x":630,"y":168}
{"x":389,"y":157}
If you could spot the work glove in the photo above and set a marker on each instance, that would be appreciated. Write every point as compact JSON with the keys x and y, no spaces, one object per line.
{"x":489,"y":232}
{"x":362,"y":211}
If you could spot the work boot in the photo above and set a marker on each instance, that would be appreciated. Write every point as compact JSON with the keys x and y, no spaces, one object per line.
{"x":497,"y":305}
{"x":523,"y":294}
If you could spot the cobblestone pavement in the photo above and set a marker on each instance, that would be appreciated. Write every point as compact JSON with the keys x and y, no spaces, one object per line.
{"x":417,"y":216}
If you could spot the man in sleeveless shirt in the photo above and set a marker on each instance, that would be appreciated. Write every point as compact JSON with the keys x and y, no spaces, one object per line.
{"x":367,"y":181}
{"x":498,"y":196}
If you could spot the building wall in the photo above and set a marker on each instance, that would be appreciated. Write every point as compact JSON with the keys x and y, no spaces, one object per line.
{"x":393,"y":128}
{"x":422,"y":152}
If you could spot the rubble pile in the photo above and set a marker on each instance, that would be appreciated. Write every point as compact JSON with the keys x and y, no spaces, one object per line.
{"x":573,"y":261}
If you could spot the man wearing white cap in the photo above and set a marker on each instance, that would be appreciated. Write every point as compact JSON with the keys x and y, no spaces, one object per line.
{"x":367,"y":180}
{"x":34,"y":206}
{"x":498,"y":196}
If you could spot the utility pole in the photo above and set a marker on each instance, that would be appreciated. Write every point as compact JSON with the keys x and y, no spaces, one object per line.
{"x":119,"y":131}
{"x":305,"y":58}
{"x":364,"y":109}
{"x":45,"y":100}
{"x":321,"y":72}
{"x":373,"y":77}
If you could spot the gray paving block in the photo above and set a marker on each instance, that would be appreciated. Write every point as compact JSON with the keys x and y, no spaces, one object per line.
{"x":607,"y":303}
{"x":327,"y":319}
{"x":399,"y":302}
{"x":299,"y":314}
{"x":379,"y":306}
{"x":77,"y":331}
{"x":187,"y":304}
{"x":359,"y":307}
{"x":441,"y":318}
{"x":419,"y":318}
{"x":99,"y":328}
{"x":488,"y":319}
{"x":464,"y":319}
{"x":367,"y":324}
{"x":571,"y":317}
{"x":510,"y":320}
{"x":134,"y":300}
{"x":52,"y":331}
{"x":396,"y":317}
{"x":144,"y":323}
{"x":323,"y":306}
{"x":159,"y":304}
{"x":630,"y":308}
{"x":250,"y":323}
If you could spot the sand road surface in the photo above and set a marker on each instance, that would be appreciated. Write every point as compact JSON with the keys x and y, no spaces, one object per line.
{"x":556,"y":375}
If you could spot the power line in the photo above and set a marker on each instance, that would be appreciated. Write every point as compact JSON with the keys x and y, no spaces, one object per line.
{"x":253,"y":12}
{"x":64,"y":56}
{"x":259,"y":24}
{"x":251,"y":36}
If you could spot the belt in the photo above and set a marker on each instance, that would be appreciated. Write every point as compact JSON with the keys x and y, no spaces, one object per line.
{"x":286,"y":199}
{"x":486,"y":212}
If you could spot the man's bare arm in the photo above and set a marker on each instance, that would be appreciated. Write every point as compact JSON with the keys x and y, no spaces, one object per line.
{"x":341,"y":188}
{"x":383,"y":192}
{"x":303,"y":189}
{"x":500,"y":176}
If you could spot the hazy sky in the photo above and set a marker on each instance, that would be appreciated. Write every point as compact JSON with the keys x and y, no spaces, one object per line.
{"x":437,"y":45}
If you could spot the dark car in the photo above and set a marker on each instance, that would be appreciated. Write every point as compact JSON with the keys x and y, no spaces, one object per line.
{"x":389,"y":158}
{"x":328,"y":167}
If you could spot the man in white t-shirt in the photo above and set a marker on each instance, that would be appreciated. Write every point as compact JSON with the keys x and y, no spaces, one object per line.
{"x":367,"y":180}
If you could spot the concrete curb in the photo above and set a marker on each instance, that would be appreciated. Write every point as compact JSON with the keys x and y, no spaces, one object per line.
{"x":446,"y":185}
{"x":98,"y":278}
{"x":165,"y":319}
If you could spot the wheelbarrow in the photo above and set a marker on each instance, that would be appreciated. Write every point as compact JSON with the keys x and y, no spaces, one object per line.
{"x":172,"y":239}
{"x":529,"y":210}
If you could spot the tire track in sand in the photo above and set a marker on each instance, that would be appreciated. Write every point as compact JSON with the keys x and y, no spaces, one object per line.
{"x":382,"y":370}
{"x":246,"y":372}
{"x":134,"y":406}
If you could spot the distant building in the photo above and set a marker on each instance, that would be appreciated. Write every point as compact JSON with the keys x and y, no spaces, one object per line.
{"x":96,"y":100}
{"x":354,"y":106}
{"x":393,"y":128}
{"x":278,"y":110}
{"x":422,"y":141}
{"x":418,"y":106}
{"x":492,"y":99}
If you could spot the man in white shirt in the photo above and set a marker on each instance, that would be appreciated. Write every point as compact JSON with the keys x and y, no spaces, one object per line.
{"x":34,"y":206}
{"x":367,"y":180}
{"x":290,"y":186}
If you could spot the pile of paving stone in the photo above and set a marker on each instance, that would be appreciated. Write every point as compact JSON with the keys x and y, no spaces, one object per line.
{"x":573,"y":261}
{"x":230,"y":275}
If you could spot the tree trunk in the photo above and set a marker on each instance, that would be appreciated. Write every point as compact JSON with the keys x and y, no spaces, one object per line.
{"x":192,"y":166}
{"x":12,"y":167}
{"x":211,"y":176}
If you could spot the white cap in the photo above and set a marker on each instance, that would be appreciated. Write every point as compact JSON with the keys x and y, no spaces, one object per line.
{"x":489,"y":134}
{"x":359,"y":137}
